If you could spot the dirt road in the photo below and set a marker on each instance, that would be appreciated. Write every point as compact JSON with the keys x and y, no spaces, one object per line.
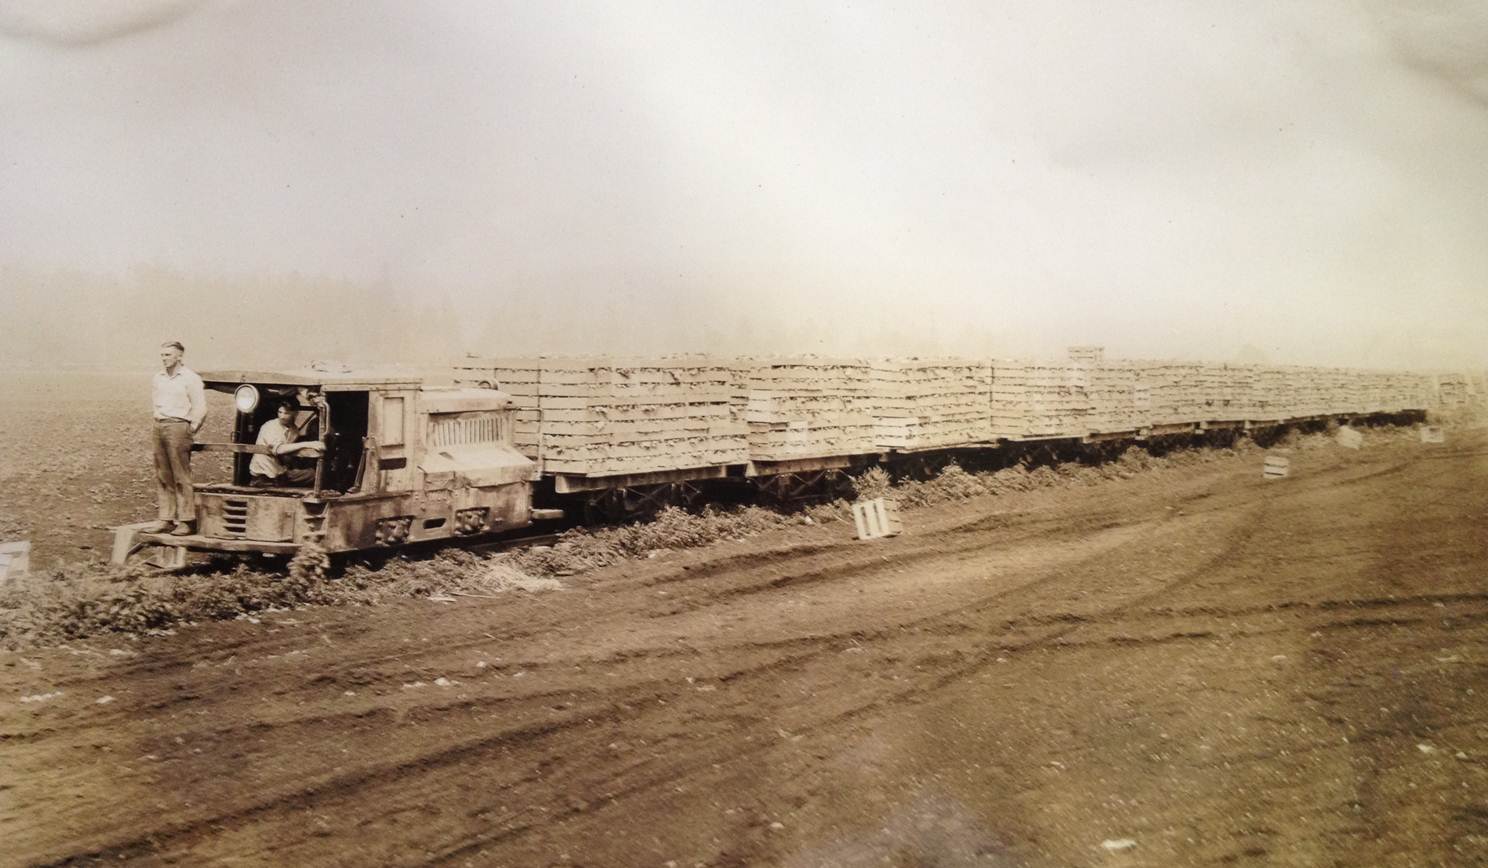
{"x":1198,"y":669}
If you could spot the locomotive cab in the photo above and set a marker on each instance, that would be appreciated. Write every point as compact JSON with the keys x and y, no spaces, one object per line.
{"x":401,"y":463}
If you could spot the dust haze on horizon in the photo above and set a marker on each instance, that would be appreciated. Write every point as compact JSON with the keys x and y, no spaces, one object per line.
{"x":274,"y":182}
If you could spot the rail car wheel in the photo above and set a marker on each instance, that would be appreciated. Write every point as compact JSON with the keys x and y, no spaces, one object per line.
{"x":792,"y":490}
{"x":615,"y":505}
{"x":768,"y":492}
{"x":686,"y":495}
{"x":604,"y":507}
{"x":919,"y":467}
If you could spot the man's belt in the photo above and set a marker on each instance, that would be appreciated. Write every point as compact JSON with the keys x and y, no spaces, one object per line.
{"x":171,"y":419}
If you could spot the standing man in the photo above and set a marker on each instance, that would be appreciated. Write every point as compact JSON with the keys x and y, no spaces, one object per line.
{"x":180,"y":405}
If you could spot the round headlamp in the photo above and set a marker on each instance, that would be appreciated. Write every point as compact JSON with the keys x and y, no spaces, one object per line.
{"x":245,"y":397}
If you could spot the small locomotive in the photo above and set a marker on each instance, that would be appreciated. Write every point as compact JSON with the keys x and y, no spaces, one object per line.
{"x":398,"y":462}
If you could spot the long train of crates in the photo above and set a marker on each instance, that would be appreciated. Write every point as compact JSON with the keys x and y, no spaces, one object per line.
{"x":599,"y":421}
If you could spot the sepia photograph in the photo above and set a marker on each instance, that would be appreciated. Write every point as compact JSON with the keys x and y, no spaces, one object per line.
{"x":713,"y":435}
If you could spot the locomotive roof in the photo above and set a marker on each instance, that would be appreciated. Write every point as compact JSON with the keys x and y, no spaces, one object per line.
{"x":341,"y":378}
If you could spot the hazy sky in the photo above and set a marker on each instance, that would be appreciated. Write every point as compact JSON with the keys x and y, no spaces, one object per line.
{"x":1165,"y":177}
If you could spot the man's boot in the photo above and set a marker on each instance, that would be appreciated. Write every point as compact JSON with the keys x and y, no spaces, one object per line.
{"x":183,"y":528}
{"x":158,"y":527}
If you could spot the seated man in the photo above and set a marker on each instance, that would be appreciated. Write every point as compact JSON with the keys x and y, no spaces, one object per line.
{"x":287,"y":463}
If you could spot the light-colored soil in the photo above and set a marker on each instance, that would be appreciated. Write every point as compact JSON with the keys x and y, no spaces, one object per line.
{"x":1221,"y":669}
{"x":75,"y":459}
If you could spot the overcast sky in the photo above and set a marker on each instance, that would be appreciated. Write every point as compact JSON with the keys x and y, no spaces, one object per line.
{"x":1301,"y":181}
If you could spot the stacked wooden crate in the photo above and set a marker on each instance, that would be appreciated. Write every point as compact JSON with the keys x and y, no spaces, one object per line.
{"x":1174,"y":391}
{"x":520,"y":379}
{"x":1335,"y":390}
{"x":1113,"y":390}
{"x":1290,"y":392}
{"x":1362,"y":390}
{"x":619,"y":416}
{"x":1384,"y":394}
{"x":1325,"y":389}
{"x":1213,"y":389}
{"x":1272,"y":399}
{"x":1032,"y":400}
{"x":1381,"y":391}
{"x":804,"y":407}
{"x":1452,"y":389}
{"x":1351,"y":391}
{"x":1310,"y":391}
{"x":1239,"y":397}
{"x":1413,"y":391}
{"x":1477,"y":387}
{"x":1365,"y":390}
{"x":1347,"y":391}
{"x":928,"y":403}
{"x":1401,"y":391}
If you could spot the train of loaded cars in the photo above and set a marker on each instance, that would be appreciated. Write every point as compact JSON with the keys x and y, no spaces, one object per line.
{"x":491,"y":446}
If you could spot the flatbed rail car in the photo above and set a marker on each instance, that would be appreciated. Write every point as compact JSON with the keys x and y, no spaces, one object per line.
{"x":615,"y":437}
{"x":402,"y":463}
{"x":620,"y":497}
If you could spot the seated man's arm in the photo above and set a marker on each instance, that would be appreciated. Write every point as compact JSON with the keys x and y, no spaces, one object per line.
{"x":291,"y":448}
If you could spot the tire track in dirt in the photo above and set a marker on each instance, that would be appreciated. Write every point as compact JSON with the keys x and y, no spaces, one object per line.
{"x":913,"y":694}
{"x":628,"y":703}
{"x":917,"y":695}
{"x":368,"y":778}
{"x":869,"y":565}
{"x":1041,"y":526}
{"x":1034,"y":529}
{"x":154,"y":841}
{"x":884,"y":640}
{"x":158,"y":840}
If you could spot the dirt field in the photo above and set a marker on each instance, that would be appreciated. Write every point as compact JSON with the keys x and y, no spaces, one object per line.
{"x":1210,"y":668}
{"x":75,"y":459}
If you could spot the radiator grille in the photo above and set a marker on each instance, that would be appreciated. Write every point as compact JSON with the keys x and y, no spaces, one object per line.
{"x":234,"y":517}
{"x":465,"y":429}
